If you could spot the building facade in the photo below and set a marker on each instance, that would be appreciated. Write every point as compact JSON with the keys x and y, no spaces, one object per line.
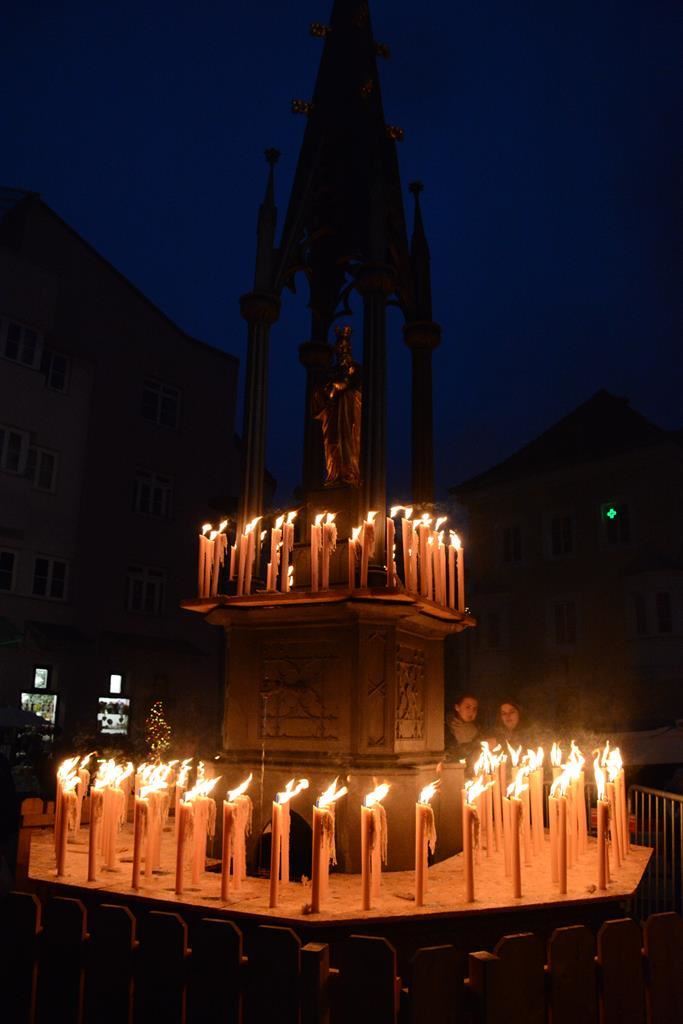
{"x":576,"y":572}
{"x":116,"y":442}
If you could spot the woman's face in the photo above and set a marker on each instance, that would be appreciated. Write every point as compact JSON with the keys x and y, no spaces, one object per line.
{"x":467,"y":709}
{"x":509,"y":716}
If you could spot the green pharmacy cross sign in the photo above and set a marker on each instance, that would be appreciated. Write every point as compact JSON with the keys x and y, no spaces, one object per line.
{"x":611,"y":512}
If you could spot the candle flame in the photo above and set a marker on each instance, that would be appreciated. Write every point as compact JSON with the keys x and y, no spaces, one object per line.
{"x":242,"y":788}
{"x":556,"y":754}
{"x":291,"y":516}
{"x":200,"y":789}
{"x":428,"y":792}
{"x":84,"y":760}
{"x":291,"y":790}
{"x":371,"y":517}
{"x":223,"y":526}
{"x":474,"y":788}
{"x":330,"y":518}
{"x":516,"y":788}
{"x":206,"y":527}
{"x":439,"y":523}
{"x":395,"y":509}
{"x":614,"y":764}
{"x":514,"y":754}
{"x":425,"y":519}
{"x":331,"y":794}
{"x":562,"y":782}
{"x":355,"y":533}
{"x":575,"y":756}
{"x":250,"y":527}
{"x":67,"y":767}
{"x":278,"y":522}
{"x":111,"y":775}
{"x":319,"y":518}
{"x":377,"y":795}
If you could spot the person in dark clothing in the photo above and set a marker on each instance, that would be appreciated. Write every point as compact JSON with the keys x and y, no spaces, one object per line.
{"x":462,"y":731}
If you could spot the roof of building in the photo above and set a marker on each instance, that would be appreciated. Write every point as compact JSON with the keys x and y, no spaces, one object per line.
{"x":11,"y":202}
{"x":604,"y":425}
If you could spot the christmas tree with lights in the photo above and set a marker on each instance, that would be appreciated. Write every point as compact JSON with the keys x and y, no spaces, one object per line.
{"x":157,"y":731}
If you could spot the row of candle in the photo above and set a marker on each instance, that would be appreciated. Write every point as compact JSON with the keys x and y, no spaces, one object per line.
{"x":513,"y":816}
{"x":428,"y":566}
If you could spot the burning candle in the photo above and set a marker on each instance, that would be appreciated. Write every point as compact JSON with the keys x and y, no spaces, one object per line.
{"x":219,"y":546}
{"x":457,"y":544}
{"x":273,"y":565}
{"x":329,"y":544}
{"x":67,"y":780}
{"x":451,"y":568}
{"x":204,"y":558}
{"x":234,"y":824}
{"x":287,"y":548}
{"x":323,"y":843}
{"x":367,"y":541}
{"x":515,"y":791}
{"x":391,"y":548}
{"x":180,"y":787}
{"x":197,"y":821}
{"x":473,"y":791}
{"x":139,"y":827}
{"x":603,"y":817}
{"x":316,"y":544}
{"x":96,"y":796}
{"x":373,"y":831}
{"x":425,"y":839}
{"x":279,"y":848}
{"x":558,"y":806}
{"x":352,"y":551}
{"x":81,"y":790}
{"x":406,"y":540}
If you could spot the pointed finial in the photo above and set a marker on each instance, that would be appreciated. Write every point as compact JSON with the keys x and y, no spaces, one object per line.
{"x":419,"y":257}
{"x":272,"y":156}
{"x":416,"y":187}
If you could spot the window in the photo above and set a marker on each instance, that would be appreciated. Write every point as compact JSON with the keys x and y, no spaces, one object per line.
{"x":561,"y":536}
{"x":640,"y":614}
{"x":19,"y":343}
{"x":616,"y":522}
{"x":49,"y":578}
{"x":565,"y":623}
{"x":13,"y":449}
{"x":41,"y":468}
{"x":42,"y":704}
{"x":41,"y":677}
{"x":160,"y":403}
{"x":664,"y":613}
{"x":7,"y":560}
{"x":55,"y":367}
{"x":152,"y":494}
{"x":113,"y":715}
{"x":145,"y":590}
{"x":512,"y":544}
{"x":115,"y":682}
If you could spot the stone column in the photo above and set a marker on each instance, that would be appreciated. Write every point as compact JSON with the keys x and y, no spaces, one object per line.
{"x":422,"y":337}
{"x":375,"y":284}
{"x":260,"y":310}
{"x":316,"y":356}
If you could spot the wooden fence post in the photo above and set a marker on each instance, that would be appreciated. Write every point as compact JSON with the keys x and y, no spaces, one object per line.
{"x":572,"y":974}
{"x":663,"y":934}
{"x":523,"y":971}
{"x":160,"y":974}
{"x":621,"y":973}
{"x":437,"y":986}
{"x":487,"y":992}
{"x":216,"y":973}
{"x":274,"y":976}
{"x":109,"y":965}
{"x":60,"y":973}
{"x":19,"y":937}
{"x":369,"y":986}
{"x":315,"y":993}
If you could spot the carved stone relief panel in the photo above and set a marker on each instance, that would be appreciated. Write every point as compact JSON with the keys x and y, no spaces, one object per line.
{"x":376,"y":688}
{"x":410,"y":714}
{"x":298,"y":701}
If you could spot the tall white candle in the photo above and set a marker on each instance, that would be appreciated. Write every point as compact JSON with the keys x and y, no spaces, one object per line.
{"x":353,"y":555}
{"x":316,"y":543}
{"x":329,"y":544}
{"x":367,"y":547}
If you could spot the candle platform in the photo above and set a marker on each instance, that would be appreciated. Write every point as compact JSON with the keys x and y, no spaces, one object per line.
{"x":444,"y":918}
{"x":339,"y":682}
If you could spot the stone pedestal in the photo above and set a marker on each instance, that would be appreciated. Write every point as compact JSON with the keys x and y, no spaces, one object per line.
{"x":346,"y":684}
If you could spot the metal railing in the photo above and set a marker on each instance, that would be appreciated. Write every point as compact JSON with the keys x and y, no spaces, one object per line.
{"x":656,"y":819}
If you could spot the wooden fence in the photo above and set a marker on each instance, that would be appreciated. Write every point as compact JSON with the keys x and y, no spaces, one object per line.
{"x":58,"y":965}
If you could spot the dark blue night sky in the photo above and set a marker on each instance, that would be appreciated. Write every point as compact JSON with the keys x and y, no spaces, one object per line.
{"x":547,"y":136}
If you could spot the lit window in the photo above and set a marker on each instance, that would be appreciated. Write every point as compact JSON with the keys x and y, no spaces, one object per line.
{"x":19,"y":343}
{"x":49,"y":578}
{"x":42,"y":704}
{"x":7,"y":561}
{"x":160,"y":403}
{"x":41,"y":468}
{"x":152,"y":494}
{"x":145,"y":590}
{"x":41,"y":677}
{"x":13,"y":449}
{"x":113,"y":715}
{"x":115,"y":682}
